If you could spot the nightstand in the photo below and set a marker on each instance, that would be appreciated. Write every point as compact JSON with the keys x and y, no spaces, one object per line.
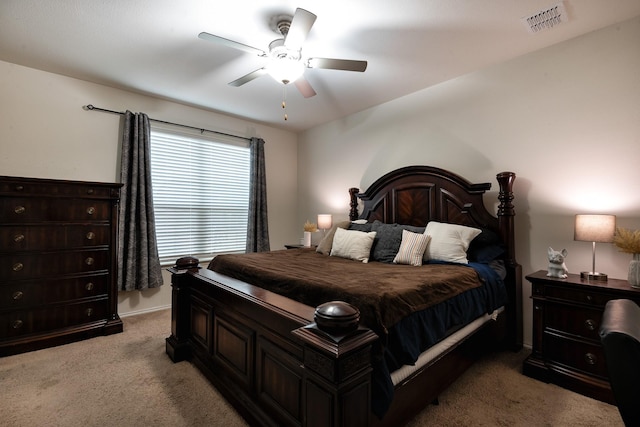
{"x":294,"y":246}
{"x":299,"y":246}
{"x":566,"y":319}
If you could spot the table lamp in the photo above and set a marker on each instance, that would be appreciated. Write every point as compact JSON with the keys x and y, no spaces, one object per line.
{"x":594,"y":228}
{"x":324,"y":222}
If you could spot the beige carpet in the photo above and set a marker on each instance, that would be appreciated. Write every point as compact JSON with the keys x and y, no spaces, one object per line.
{"x":127,"y":380}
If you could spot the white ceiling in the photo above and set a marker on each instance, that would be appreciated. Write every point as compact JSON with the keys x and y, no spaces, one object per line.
{"x":152,"y":47}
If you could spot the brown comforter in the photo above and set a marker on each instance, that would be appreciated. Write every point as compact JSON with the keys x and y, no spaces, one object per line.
{"x":384,"y":293}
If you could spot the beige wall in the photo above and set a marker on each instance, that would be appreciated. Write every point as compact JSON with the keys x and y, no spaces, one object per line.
{"x":565,"y":119}
{"x":45,"y":133}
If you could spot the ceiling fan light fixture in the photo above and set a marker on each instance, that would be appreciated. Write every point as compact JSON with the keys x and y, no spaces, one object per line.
{"x":285,"y":70}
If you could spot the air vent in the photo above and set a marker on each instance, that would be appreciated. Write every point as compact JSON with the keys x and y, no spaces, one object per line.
{"x":546,"y":19}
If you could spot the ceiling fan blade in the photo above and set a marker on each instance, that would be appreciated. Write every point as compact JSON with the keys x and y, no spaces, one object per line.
{"x":248,"y":77}
{"x":299,"y":30}
{"x":231,"y":43}
{"x":304,"y":87}
{"x":337,"y":64}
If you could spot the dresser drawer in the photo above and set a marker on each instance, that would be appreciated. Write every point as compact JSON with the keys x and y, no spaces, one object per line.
{"x":41,"y":320}
{"x":579,"y":321}
{"x":21,"y":294}
{"x":25,"y":210}
{"x":29,"y":265}
{"x":17,"y":187}
{"x":50,"y":237}
{"x":576,"y":354}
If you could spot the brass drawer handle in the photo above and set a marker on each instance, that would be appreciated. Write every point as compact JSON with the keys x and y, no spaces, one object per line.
{"x":590,"y":358}
{"x":18,"y":266}
{"x":590,"y":324}
{"x":89,"y":286}
{"x":91,"y":235}
{"x":89,"y":261}
{"x":589,"y":298}
{"x":20,"y":210}
{"x":89,"y":312}
{"x":91,"y":210}
{"x":18,"y":238}
{"x":17,"y":295}
{"x":19,"y":187}
{"x":17,"y":324}
{"x":90,"y":191}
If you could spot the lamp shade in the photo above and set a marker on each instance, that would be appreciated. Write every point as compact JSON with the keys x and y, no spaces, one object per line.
{"x":324,"y":221}
{"x":595,"y":228}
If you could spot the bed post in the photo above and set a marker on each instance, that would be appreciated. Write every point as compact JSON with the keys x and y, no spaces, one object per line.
{"x":506,"y":214}
{"x":176,"y":345}
{"x":353,"y":212}
{"x":336,"y":368}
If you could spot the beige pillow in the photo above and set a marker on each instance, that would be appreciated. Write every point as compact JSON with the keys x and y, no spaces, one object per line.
{"x":449,"y":242}
{"x":352,"y":244}
{"x":412,"y":248}
{"x":324,"y":247}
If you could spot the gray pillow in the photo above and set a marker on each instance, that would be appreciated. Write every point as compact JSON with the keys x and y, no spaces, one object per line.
{"x":324,"y":247}
{"x":388,"y":240}
{"x":366,"y":227}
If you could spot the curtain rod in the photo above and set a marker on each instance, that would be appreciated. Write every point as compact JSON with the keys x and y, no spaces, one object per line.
{"x":90,"y":107}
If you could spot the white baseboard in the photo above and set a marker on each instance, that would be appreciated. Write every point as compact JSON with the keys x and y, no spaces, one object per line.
{"x":148,"y":310}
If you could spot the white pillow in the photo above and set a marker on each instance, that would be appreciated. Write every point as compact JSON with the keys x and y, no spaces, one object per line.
{"x":449,"y":242}
{"x":352,"y":244}
{"x":412,"y":248}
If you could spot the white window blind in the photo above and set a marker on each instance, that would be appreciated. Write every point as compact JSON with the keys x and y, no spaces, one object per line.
{"x":200,"y":194}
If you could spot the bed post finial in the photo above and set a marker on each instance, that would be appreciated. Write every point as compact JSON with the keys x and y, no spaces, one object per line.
{"x":506,"y":212}
{"x":353,"y":212}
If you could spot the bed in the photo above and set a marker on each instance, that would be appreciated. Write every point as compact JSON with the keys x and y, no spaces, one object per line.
{"x":283,"y":357}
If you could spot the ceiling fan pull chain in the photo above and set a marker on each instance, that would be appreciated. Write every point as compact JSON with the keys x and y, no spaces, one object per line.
{"x":284,"y":101}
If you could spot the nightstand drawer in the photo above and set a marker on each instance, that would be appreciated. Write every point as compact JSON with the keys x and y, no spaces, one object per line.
{"x":575,"y":354}
{"x":581,"y":296}
{"x":579,"y":321}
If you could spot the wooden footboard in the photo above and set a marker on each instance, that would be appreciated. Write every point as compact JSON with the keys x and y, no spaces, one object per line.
{"x":265,"y":355}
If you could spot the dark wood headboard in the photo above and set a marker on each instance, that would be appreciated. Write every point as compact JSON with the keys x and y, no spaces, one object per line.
{"x":415,"y":195}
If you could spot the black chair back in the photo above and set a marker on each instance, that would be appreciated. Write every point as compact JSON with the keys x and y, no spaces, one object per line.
{"x":620,"y":337}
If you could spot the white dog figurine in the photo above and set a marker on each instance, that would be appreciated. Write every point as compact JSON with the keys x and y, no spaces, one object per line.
{"x":557,"y":268}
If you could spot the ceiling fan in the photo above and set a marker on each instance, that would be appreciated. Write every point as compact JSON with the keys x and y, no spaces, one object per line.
{"x":286,"y":63}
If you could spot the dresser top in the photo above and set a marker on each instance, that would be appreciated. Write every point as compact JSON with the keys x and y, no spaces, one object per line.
{"x":25,"y":180}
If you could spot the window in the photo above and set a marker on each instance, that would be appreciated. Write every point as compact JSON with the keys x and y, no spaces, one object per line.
{"x":200,"y":193}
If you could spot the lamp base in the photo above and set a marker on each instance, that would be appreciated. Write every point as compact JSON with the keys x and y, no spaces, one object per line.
{"x":592,"y":275}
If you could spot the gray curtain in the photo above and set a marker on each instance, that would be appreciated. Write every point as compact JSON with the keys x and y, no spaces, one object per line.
{"x":258,"y":227}
{"x":138,"y":263}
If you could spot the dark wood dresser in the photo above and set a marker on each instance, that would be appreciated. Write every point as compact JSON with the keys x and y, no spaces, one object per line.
{"x":57,"y":262}
{"x":566,"y":319}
